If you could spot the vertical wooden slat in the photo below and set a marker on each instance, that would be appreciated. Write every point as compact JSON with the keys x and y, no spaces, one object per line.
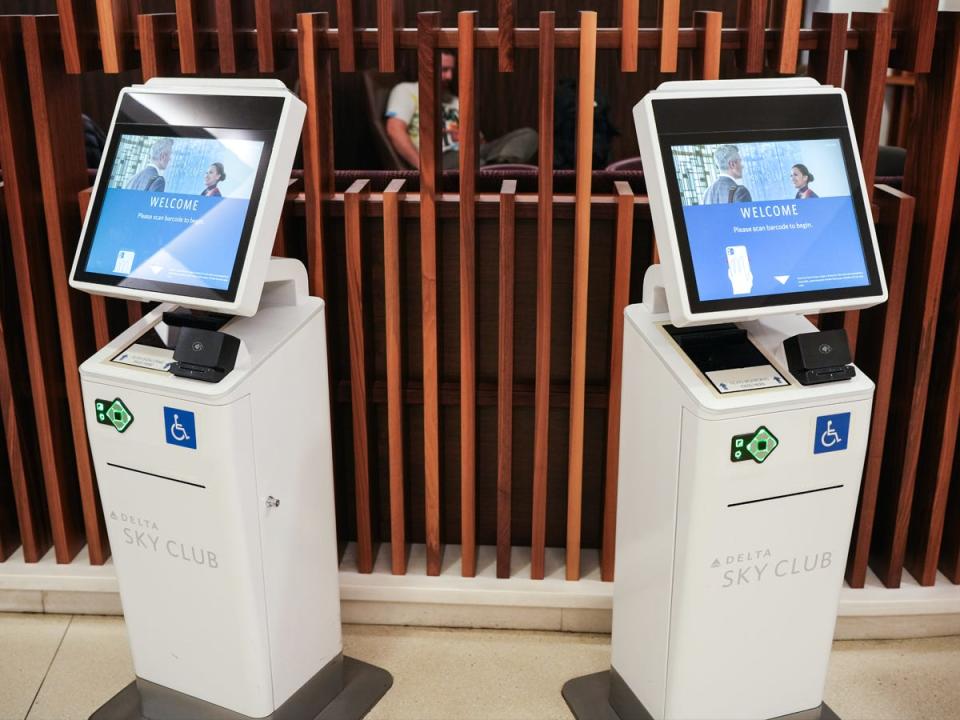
{"x":358,"y":372}
{"x":55,"y":100}
{"x":669,"y":21}
{"x":98,"y":303}
{"x":226,"y":18}
{"x":866,"y":85}
{"x":272,"y":17}
{"x":187,"y":35}
{"x":621,"y":297}
{"x":752,"y":20}
{"x":428,"y":63}
{"x":154,"y":31}
{"x":918,"y":20}
{"x":878,"y":343}
{"x":78,"y":25}
{"x":545,"y":92}
{"x":709,"y":25}
{"x":826,"y":62}
{"x":789,"y":43}
{"x":505,"y":25}
{"x":16,"y":404}
{"x":394,"y":350}
{"x":629,"y":27}
{"x":387,"y":23}
{"x":316,"y":92}
{"x":581,"y":268}
{"x":469,"y":139}
{"x":931,"y":177}
{"x":27,"y":234}
{"x":346,"y":43}
{"x":508,"y":193}
{"x":114,"y":22}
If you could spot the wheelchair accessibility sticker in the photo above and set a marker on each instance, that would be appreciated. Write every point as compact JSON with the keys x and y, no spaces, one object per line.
{"x":832,"y":433}
{"x":181,"y":427}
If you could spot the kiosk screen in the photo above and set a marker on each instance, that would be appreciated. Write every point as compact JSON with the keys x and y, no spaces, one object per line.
{"x":174,"y":209}
{"x":760,"y":220}
{"x":178,"y":193}
{"x":769,"y":216}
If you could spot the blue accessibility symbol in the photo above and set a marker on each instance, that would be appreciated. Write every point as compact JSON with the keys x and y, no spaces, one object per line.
{"x":833,"y":432}
{"x":181,"y":427}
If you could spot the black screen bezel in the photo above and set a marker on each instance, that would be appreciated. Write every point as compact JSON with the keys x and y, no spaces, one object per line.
{"x":694,"y":121}
{"x":187,"y":116}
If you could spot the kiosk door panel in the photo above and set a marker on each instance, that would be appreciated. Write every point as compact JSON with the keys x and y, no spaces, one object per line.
{"x":182,"y":523}
{"x":766,"y":542}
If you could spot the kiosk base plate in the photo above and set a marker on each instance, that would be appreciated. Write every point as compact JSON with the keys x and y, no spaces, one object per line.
{"x":588,"y":698}
{"x":345,"y":689}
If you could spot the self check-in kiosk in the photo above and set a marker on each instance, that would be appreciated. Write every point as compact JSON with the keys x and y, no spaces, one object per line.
{"x":209,"y":418}
{"x":743,"y":428}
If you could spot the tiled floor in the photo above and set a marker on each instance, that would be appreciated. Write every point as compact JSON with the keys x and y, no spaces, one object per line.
{"x":58,"y":667}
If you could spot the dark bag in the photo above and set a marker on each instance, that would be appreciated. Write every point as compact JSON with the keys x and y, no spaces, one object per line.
{"x":565,"y":127}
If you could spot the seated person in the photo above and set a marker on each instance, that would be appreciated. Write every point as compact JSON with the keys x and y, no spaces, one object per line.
{"x":403,"y":126}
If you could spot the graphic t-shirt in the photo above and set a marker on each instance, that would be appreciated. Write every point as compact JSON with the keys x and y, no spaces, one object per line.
{"x":404,"y":104}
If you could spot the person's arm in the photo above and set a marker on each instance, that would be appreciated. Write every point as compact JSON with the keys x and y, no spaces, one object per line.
{"x":400,"y":139}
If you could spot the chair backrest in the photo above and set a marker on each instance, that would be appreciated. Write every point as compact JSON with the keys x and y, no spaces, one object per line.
{"x":630,"y":163}
{"x":377,"y":88}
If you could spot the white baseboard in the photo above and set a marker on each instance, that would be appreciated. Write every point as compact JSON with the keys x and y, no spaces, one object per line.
{"x":451,"y":600}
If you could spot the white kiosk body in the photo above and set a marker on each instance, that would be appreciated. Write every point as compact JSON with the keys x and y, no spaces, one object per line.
{"x":739,"y":468}
{"x":210,"y":430}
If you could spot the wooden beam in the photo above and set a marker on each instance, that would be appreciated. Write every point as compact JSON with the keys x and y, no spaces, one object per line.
{"x":878,"y":344}
{"x":394,"y":352}
{"x":226,"y":19}
{"x":468,"y":158}
{"x":917,"y":19}
{"x":78,"y":35}
{"x":187,"y":35}
{"x":115,"y":22}
{"x":316,"y":90}
{"x":789,"y":43}
{"x":826,"y":61}
{"x":669,"y":22}
{"x":155,"y":31}
{"x":505,"y":27}
{"x":387,"y":24}
{"x":752,"y":20}
{"x":346,"y":47}
{"x":541,"y":435}
{"x":586,"y":87}
{"x":352,"y":200}
{"x":508,"y":191}
{"x":621,"y":298}
{"x":709,"y":24}
{"x":272,"y":18}
{"x":629,"y":27}
{"x":428,"y":23}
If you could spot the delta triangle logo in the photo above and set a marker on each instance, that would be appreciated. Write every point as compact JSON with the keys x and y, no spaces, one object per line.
{"x":716,"y":563}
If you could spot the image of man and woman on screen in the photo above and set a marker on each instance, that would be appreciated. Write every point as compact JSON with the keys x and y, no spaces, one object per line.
{"x":750,"y":172}
{"x":151,"y":177}
{"x":186,"y":166}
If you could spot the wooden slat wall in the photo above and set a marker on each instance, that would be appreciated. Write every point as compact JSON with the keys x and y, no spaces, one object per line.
{"x":36,"y":294}
{"x":400,"y":321}
{"x":21,"y":463}
{"x":931,"y":176}
{"x":55,"y":100}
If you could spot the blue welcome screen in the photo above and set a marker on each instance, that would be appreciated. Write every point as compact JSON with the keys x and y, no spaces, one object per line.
{"x":768,"y":218}
{"x":174,"y":209}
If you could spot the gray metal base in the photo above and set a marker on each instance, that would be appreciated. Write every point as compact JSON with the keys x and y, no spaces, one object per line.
{"x":593,"y":697}
{"x":345,"y":689}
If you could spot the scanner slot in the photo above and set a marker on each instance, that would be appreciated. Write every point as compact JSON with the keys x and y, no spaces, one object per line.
{"x":717,"y":347}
